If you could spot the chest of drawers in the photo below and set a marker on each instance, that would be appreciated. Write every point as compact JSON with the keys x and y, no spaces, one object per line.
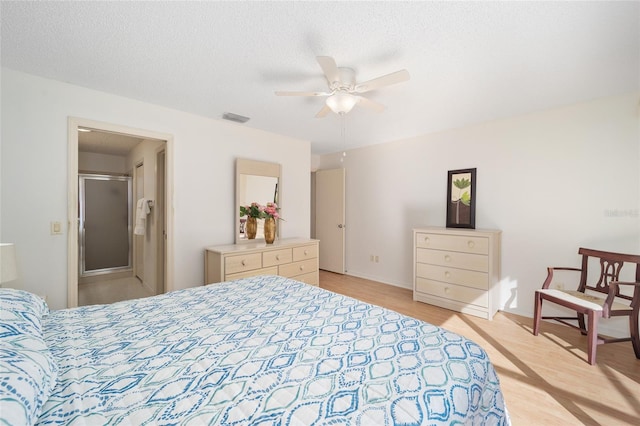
{"x":457,"y":269}
{"x":295,"y":258}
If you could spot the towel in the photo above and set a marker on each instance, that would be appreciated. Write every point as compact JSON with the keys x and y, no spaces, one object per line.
{"x":142,"y":210}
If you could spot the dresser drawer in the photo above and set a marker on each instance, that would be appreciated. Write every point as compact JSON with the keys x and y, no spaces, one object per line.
{"x":276,"y":257}
{"x":241,"y":263}
{"x":453,"y":292}
{"x":479,"y":280}
{"x":262,"y":271}
{"x":305,"y":252}
{"x":460,"y":243}
{"x":453,"y":259}
{"x":298,"y":268}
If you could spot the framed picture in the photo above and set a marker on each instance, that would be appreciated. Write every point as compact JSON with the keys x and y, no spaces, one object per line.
{"x":461,"y":198}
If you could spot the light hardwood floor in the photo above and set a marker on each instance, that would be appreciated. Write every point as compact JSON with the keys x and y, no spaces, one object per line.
{"x":545,"y":379}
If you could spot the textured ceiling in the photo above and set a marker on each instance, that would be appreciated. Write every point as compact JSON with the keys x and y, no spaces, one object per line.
{"x":470,"y":62}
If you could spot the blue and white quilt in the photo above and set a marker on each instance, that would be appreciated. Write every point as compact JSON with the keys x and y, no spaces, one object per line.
{"x":263,"y":351}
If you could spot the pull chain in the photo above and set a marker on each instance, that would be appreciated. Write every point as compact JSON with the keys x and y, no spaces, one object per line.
{"x":343,"y":136}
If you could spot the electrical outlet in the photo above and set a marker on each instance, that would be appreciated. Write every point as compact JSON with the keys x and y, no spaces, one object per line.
{"x":371,"y":258}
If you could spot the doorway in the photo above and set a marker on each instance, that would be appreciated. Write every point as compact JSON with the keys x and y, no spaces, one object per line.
{"x":121,"y":150}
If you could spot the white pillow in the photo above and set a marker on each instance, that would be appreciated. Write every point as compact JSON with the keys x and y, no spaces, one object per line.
{"x":28,"y":371}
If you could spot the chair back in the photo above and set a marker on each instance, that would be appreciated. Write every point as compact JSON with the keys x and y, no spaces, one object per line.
{"x":610,"y":267}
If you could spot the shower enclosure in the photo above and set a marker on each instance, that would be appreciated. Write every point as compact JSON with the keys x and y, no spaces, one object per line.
{"x":105,"y":204}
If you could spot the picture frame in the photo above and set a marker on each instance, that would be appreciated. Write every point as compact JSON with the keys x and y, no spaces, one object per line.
{"x":461,"y":198}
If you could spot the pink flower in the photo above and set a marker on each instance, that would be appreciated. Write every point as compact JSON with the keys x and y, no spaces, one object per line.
{"x":259,"y":211}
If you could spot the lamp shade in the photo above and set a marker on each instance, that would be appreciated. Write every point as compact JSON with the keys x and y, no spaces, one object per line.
{"x":8,"y":269}
{"x":341,"y":102}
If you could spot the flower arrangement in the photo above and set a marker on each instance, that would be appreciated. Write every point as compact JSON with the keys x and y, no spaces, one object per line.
{"x":271,"y":211}
{"x":259,"y":211}
{"x":252,"y":210}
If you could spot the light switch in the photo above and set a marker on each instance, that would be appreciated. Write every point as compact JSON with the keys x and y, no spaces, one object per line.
{"x":56,"y":228}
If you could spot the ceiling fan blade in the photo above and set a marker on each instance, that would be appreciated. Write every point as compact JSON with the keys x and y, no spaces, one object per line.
{"x":368,"y":103}
{"x":323,"y":112}
{"x":329,"y":67}
{"x":285,"y":93}
{"x":385,"y":80}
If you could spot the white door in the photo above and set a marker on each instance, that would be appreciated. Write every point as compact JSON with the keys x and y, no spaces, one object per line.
{"x":138,"y":242}
{"x":330,"y":218}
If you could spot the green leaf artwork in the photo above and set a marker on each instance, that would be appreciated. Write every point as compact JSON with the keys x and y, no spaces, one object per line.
{"x":462,"y":183}
{"x":464,"y":197}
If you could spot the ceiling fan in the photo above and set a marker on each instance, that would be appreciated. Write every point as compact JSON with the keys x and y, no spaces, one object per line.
{"x":344,"y":92}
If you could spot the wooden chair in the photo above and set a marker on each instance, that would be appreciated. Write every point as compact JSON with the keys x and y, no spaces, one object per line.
{"x":586,"y":301}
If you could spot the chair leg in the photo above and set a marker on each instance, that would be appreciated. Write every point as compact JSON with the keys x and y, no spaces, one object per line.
{"x":537,"y":313}
{"x":592,"y":337}
{"x":582,"y":325}
{"x":635,"y":335}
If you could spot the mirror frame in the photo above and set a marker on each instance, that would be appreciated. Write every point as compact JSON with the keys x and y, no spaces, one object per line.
{"x":257,"y":168}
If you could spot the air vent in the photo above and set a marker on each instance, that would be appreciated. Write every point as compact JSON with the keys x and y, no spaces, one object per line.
{"x":235,"y":117}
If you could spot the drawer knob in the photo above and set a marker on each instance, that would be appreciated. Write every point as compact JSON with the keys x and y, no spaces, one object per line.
{"x":471,"y":244}
{"x":277,"y":257}
{"x":426,"y":240}
{"x":243,"y":263}
{"x":447,"y":274}
{"x":301,"y":267}
{"x":447,"y":258}
{"x":446,"y":290}
{"x":306,"y":252}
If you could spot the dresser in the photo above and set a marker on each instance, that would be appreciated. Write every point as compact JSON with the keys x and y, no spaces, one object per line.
{"x":295,"y":258}
{"x":457,"y":269}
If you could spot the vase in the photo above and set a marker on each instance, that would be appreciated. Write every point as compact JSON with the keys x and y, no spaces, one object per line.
{"x":251,"y":228}
{"x":269,"y":230}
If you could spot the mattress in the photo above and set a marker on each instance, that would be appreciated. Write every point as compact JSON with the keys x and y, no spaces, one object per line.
{"x":262,"y":351}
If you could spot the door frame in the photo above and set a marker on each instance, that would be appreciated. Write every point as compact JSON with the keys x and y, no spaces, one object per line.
{"x":73,"y":123}
{"x":161,"y":222}
{"x":138,"y":249}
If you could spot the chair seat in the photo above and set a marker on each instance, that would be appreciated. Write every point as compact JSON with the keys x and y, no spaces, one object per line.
{"x":587,"y":301}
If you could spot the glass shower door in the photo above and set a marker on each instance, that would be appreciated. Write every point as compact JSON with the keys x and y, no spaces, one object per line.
{"x":105,"y":223}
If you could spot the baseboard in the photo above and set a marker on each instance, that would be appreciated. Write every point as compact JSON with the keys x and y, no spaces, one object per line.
{"x":612,"y":327}
{"x":377,"y":279}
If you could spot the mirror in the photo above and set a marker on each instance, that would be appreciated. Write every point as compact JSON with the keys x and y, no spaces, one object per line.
{"x":256,"y":181}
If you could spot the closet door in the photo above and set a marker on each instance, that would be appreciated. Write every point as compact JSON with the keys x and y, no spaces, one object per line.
{"x":330,"y":219}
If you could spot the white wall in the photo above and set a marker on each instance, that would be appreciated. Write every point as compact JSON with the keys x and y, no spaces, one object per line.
{"x":34,"y":113}
{"x":551,"y":181}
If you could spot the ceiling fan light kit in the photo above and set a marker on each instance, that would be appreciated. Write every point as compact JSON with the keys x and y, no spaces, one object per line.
{"x":341,"y":102}
{"x":344,"y":92}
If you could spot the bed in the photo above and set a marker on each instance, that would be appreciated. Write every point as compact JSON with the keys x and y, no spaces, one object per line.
{"x":257,"y":351}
